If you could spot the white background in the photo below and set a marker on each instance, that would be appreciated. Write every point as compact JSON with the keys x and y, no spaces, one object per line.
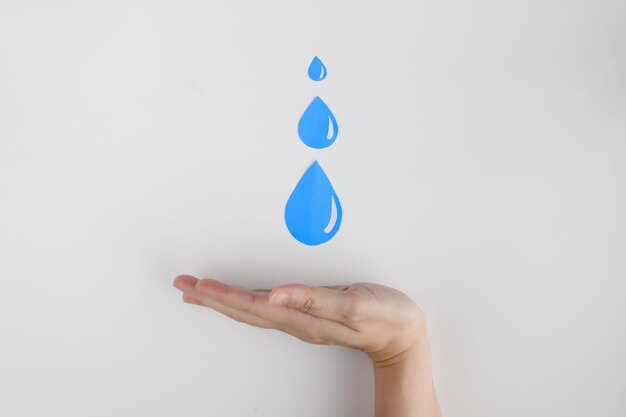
{"x":479,"y":163}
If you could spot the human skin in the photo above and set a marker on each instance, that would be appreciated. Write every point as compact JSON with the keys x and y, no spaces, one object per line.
{"x":380,"y":321}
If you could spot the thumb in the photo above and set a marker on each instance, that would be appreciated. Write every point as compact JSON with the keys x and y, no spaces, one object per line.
{"x":323,"y":302}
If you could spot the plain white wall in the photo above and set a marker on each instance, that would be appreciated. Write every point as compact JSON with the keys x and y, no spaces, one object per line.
{"x":480,"y":165}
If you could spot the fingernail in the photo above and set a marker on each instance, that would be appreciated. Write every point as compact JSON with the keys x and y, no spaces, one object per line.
{"x":279,"y":299}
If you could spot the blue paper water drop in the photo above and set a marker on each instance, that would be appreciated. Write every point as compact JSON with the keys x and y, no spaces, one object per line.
{"x":317,"y":70}
{"x":318,"y":127}
{"x":313,"y":212}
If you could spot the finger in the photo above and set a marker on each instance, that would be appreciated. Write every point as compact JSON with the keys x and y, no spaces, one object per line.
{"x":322,"y":332}
{"x":324,"y":302}
{"x":183,"y":282}
{"x":235,"y":314}
{"x":336,"y":287}
{"x":186,"y":283}
{"x":248,"y":301}
{"x":293,"y":321}
{"x":190,"y":300}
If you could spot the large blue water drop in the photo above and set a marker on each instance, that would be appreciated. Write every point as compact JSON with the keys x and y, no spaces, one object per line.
{"x":313,"y":212}
{"x":318,"y":127}
{"x":317,"y":70}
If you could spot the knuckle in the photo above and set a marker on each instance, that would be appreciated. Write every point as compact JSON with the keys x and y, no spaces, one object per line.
{"x":223,"y":294}
{"x":308,"y":304}
{"x":250,"y":300}
{"x":353,"y":307}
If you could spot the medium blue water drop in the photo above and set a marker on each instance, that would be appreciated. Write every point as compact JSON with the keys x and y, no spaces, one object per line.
{"x":317,"y":127}
{"x":313,"y":212}
{"x":317,"y":70}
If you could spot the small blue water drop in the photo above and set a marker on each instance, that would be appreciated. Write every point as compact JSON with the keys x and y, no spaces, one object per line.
{"x":317,"y":69}
{"x":313,"y":212}
{"x":318,"y":127}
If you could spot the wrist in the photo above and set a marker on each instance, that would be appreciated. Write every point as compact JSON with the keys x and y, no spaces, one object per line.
{"x":418,"y":351}
{"x":404,"y":385}
{"x":407,"y":347}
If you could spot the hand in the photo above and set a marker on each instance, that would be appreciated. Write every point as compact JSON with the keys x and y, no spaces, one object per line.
{"x":378,"y":320}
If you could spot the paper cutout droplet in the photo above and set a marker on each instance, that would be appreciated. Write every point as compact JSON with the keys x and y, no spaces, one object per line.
{"x":313,"y":212}
{"x":317,"y":127}
{"x":317,"y":70}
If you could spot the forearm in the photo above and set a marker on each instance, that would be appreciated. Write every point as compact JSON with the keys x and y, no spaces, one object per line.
{"x":404,"y":385}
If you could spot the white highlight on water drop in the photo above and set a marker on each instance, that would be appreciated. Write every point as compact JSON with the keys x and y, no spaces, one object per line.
{"x":333,"y":216}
